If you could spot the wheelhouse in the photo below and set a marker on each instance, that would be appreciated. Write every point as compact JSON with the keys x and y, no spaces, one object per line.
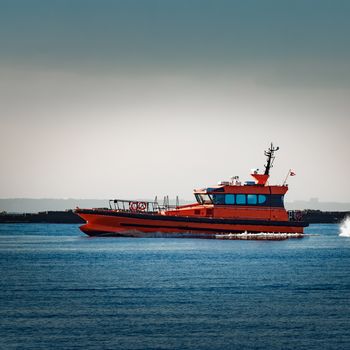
{"x":241,"y":199}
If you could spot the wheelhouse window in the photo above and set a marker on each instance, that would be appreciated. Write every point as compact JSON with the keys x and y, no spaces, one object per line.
{"x":261,"y":199}
{"x":252,"y":199}
{"x":230,"y":199}
{"x":198,"y":198}
{"x":218,"y":198}
{"x":241,"y":199}
{"x":203,"y":198}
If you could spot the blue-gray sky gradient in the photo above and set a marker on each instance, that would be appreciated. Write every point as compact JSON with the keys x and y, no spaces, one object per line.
{"x":130,"y":98}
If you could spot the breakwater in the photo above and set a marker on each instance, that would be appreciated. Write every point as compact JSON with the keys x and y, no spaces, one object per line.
{"x":49,"y":217}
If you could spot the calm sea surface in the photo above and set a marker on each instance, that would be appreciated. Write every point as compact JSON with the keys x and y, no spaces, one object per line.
{"x":61,"y":289}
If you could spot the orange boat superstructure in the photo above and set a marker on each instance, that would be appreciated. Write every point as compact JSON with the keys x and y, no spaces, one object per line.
{"x":230,"y":209}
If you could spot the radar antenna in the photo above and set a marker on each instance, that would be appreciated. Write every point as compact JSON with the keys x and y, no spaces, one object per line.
{"x":270,"y":158}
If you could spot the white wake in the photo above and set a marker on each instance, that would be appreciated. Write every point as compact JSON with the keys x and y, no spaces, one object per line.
{"x":345,"y":228}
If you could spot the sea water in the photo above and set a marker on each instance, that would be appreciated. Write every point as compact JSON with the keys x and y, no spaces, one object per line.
{"x":63,"y":290}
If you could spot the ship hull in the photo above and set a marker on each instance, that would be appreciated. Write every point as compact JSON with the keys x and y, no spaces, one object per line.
{"x":114,"y":223}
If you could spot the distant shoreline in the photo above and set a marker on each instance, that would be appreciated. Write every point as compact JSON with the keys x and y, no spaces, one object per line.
{"x":36,"y":205}
{"x":69,"y":217}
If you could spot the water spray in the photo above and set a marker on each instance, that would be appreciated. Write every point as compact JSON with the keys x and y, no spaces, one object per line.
{"x":345,"y":228}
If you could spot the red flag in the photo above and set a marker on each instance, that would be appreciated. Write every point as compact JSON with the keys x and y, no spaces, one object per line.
{"x":292,"y":173}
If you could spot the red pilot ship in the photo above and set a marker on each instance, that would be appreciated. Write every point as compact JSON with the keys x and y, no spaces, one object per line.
{"x":231,"y":209}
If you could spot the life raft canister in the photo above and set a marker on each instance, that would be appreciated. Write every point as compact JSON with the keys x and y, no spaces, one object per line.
{"x":141,"y":206}
{"x":137,"y":206}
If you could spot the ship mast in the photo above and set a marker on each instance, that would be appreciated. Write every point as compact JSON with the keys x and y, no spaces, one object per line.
{"x":270,"y":158}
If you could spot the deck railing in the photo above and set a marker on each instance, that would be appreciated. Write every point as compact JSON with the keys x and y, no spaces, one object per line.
{"x":127,"y":205}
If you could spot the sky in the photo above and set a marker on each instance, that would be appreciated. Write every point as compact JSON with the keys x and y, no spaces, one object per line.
{"x":131,"y":99}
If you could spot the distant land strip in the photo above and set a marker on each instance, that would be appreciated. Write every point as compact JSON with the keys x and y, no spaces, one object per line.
{"x":35,"y":205}
{"x":69,"y":217}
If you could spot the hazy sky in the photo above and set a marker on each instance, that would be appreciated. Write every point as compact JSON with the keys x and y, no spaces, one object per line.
{"x":103,"y":99}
